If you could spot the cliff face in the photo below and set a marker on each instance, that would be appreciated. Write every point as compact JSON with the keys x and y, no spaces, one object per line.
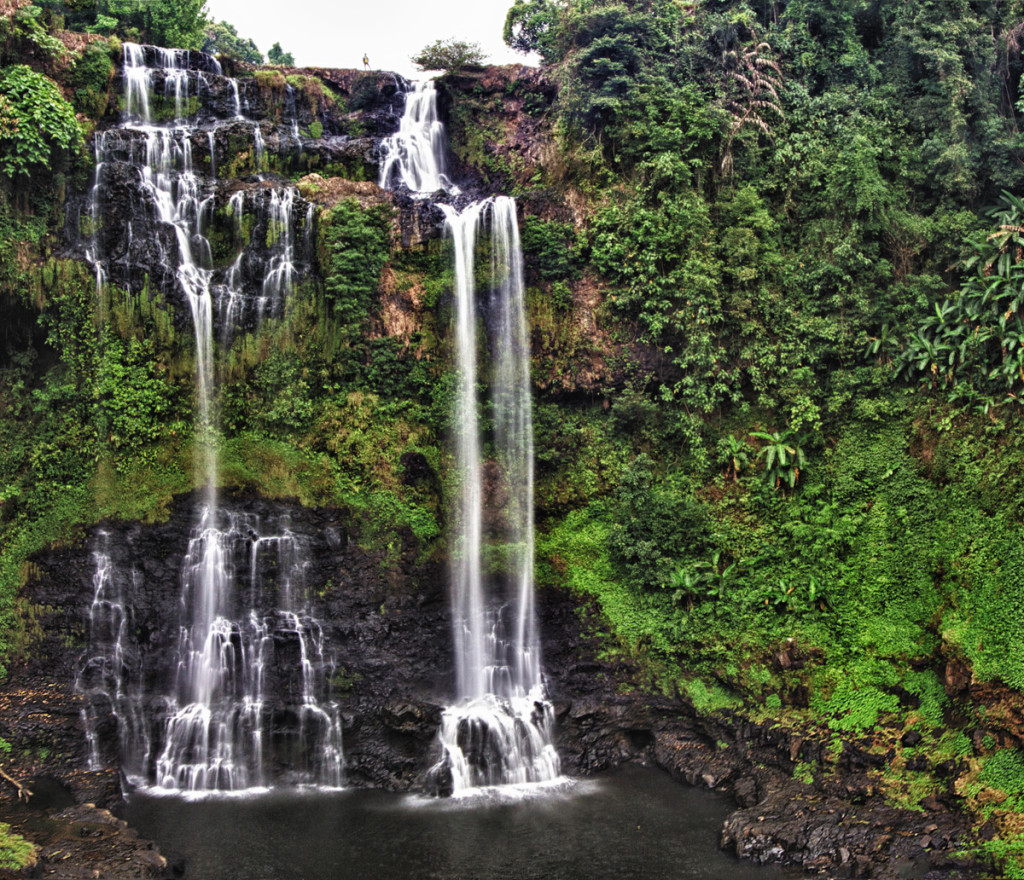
{"x":333,"y":406}
{"x":328,"y":308}
{"x":386,"y":628}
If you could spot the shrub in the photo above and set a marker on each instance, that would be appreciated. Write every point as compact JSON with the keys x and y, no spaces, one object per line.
{"x":448,"y":55}
{"x":90,"y":80}
{"x":356,"y":248}
{"x":35,"y":121}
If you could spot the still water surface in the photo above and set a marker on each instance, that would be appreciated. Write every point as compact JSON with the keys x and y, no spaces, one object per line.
{"x":637,"y":823}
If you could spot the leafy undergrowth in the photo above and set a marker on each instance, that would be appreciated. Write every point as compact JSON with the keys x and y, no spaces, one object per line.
{"x":831,"y":608}
{"x":16,"y":853}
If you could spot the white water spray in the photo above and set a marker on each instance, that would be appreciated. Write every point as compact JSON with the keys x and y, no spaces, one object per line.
{"x":415,"y":155}
{"x":500,"y":730}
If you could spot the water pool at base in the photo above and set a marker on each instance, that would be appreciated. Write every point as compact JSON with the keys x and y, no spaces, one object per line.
{"x":636,"y":823}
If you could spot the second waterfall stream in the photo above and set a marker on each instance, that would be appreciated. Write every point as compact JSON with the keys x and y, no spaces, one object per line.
{"x":499,"y":732}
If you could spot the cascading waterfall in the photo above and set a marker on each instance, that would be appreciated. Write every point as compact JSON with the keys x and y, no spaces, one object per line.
{"x":238,"y":649}
{"x":279,"y":280}
{"x":415,"y":155}
{"x":500,"y":730}
{"x":215,"y":731}
{"x":110,"y":674}
{"x":212,"y":734}
{"x":216,"y":723}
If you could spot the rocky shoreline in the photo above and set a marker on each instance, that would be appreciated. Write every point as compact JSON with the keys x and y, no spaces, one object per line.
{"x":388,"y":625}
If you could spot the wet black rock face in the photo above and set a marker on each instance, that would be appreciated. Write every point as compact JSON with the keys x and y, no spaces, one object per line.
{"x":385,"y":631}
{"x":387,"y":628}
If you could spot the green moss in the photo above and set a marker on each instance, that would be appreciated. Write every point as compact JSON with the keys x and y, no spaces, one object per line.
{"x":270,"y":79}
{"x":344,"y":681}
{"x":708,"y":699}
{"x":16,"y":853}
{"x":1006,"y":855}
{"x":1004,"y":771}
{"x":804,"y":773}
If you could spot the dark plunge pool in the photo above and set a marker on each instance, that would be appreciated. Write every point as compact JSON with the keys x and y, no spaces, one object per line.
{"x":637,"y":823}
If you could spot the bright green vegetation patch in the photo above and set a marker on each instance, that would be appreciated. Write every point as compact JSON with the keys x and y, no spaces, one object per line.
{"x":37,"y":126}
{"x":1004,"y":771}
{"x":15,"y":852}
{"x":869,"y":567}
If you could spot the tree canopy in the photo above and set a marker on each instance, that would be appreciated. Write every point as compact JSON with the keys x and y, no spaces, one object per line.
{"x":448,"y":55}
{"x":277,"y":55}
{"x":221,"y":38}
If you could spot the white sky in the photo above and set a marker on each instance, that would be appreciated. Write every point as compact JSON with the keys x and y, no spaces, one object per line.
{"x":336,"y":34}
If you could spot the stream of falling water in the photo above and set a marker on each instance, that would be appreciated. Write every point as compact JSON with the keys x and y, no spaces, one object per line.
{"x":415,"y":155}
{"x":209,"y":729}
{"x":499,"y":731}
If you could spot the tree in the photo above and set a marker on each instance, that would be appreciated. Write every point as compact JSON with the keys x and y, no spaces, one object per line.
{"x":533,"y":26}
{"x":172,"y":23}
{"x":277,"y":55}
{"x":756,"y":81}
{"x":783,"y":455}
{"x":448,"y":55}
{"x":221,"y":38}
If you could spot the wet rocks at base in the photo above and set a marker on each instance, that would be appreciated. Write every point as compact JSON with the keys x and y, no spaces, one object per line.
{"x":387,"y":630}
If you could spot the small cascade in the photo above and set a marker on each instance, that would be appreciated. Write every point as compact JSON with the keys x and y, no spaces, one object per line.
{"x":211,"y":137}
{"x":137,"y":78}
{"x":414,"y":157}
{"x":279,"y":280}
{"x":215,"y":729}
{"x":500,"y":731}
{"x":276,"y":217}
{"x":259,"y":145}
{"x":109,"y":676}
{"x":173,"y":67}
{"x":237,"y":98}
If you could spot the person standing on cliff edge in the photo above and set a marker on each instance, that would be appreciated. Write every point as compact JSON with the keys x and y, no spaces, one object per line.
{"x":366,"y":61}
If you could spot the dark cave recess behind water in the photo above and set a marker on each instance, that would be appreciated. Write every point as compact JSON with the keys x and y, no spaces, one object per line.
{"x":635,"y":823}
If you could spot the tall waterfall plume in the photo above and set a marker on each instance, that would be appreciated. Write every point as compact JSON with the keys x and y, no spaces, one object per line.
{"x":499,"y":731}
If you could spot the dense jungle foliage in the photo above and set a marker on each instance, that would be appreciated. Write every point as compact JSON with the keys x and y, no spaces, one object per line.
{"x":797,"y":231}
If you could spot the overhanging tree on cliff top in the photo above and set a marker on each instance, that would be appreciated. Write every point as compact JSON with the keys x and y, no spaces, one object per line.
{"x":448,"y":55}
{"x":534,"y":26}
{"x":221,"y":38}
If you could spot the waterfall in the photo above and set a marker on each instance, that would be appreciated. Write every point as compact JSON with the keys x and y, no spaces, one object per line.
{"x":237,"y":98}
{"x":247,"y":652}
{"x":415,"y":155}
{"x":215,"y":727}
{"x":281,"y":232}
{"x":500,"y":730}
{"x":513,"y":435}
{"x":109,"y":676}
{"x":209,"y":734}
